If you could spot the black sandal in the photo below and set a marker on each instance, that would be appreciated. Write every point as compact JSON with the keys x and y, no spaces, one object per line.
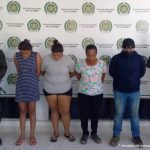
{"x":70,"y":137}
{"x":53,"y":138}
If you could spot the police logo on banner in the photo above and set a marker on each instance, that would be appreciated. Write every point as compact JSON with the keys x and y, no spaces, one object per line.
{"x":49,"y":42}
{"x":88,"y":8}
{"x":13,"y":42}
{"x":70,"y":26}
{"x":105,"y":26}
{"x":87,"y":41}
{"x":106,"y":59}
{"x":34,"y":25}
{"x":50,"y":8}
{"x":13,"y":7}
{"x":123,"y":8}
{"x":119,"y":43}
{"x":142,"y":26}
{"x":12,"y":79}
{"x":1,"y":25}
{"x":74,"y":58}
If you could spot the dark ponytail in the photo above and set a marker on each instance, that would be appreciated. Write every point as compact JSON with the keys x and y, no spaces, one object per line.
{"x":25,"y":45}
{"x":57,"y":47}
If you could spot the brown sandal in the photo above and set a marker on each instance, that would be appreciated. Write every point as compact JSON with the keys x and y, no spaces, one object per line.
{"x":33,"y":141}
{"x":70,"y":137}
{"x":20,"y":141}
{"x":54,"y":138}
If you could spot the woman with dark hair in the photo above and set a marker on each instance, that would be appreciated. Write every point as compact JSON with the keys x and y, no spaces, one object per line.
{"x":58,"y":70}
{"x":91,"y":73}
{"x":27,"y":90}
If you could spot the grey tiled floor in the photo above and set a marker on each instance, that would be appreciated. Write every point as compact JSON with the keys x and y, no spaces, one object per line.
{"x":9,"y":132}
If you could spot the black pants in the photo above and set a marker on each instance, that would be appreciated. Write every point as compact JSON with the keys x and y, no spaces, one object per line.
{"x":89,"y":107}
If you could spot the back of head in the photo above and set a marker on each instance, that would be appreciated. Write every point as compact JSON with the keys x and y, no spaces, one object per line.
{"x":128,"y":43}
{"x":25,"y":45}
{"x":90,"y":47}
{"x":57,"y":47}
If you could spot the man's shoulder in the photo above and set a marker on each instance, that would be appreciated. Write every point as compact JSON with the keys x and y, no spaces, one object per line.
{"x":1,"y":53}
{"x":136,"y":54}
{"x":116,"y":56}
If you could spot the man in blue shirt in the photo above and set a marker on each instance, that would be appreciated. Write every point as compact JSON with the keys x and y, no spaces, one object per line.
{"x":127,"y":68}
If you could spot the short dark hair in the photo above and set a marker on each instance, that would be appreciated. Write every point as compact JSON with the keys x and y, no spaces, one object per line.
{"x":25,"y":45}
{"x":57,"y":47}
{"x":128,"y":43}
{"x":91,"y":46}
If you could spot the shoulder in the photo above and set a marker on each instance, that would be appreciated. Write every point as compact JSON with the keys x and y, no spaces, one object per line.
{"x":80,"y":65}
{"x":38,"y":54}
{"x":68,"y":58}
{"x":116,"y":57}
{"x":137,"y":55}
{"x":35,"y":53}
{"x":17,"y":54}
{"x":38,"y":57}
{"x":141,"y":59}
{"x":100,"y":61}
{"x":81,"y":61}
{"x":1,"y":53}
{"x":46,"y":57}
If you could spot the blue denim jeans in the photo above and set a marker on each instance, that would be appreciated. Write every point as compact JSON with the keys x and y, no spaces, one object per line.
{"x":121,"y":100}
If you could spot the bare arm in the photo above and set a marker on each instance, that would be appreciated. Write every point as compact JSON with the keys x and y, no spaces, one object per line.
{"x":38,"y":63}
{"x":103,"y":77}
{"x":78,"y":75}
{"x":16,"y":64}
{"x":72,"y":74}
{"x":42,"y":73}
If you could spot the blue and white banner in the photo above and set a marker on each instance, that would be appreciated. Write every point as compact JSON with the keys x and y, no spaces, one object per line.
{"x":75,"y":24}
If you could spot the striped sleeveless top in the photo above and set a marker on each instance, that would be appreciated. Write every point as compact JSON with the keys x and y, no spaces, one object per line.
{"x":27,"y":89}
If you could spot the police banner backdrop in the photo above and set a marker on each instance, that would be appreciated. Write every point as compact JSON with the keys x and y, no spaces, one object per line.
{"x":75,"y":23}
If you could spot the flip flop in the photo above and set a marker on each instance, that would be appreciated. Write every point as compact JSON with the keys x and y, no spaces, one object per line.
{"x":53,"y":138}
{"x":32,"y":142}
{"x":19,"y":142}
{"x":70,"y":137}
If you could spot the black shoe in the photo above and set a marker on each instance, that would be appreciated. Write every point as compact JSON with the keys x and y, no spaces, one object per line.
{"x":96,"y":138}
{"x":0,"y":141}
{"x":84,"y":139}
{"x":137,"y":141}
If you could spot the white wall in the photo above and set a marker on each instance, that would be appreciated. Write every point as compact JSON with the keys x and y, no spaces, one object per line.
{"x":74,"y":23}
